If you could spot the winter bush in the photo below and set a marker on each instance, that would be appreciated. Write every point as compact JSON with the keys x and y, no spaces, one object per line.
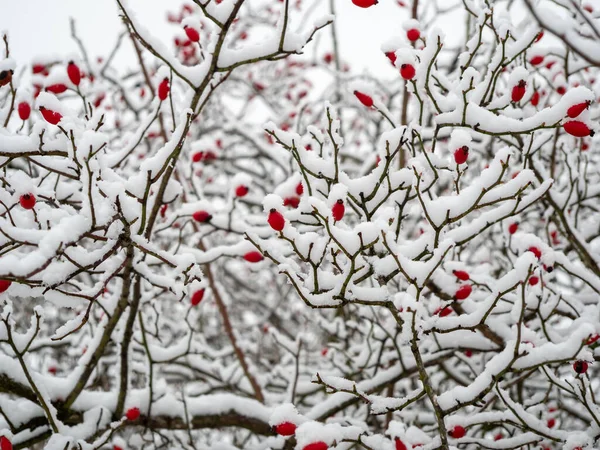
{"x":245,"y":244}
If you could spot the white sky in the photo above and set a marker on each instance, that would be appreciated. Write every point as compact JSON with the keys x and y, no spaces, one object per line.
{"x":41,"y":27}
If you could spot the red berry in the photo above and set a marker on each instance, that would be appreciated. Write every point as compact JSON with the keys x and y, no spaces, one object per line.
{"x":512,"y":228}
{"x":538,"y":59}
{"x":461,"y":275}
{"x":197,"y":297}
{"x":5,"y":444}
{"x":461,"y":154}
{"x":364,"y":99}
{"x":132,"y":413}
{"x":116,"y":447}
{"x":192,"y":33}
{"x":536,"y":251}
{"x":535,"y":98}
{"x":253,"y":257}
{"x":319,"y":445}
{"x":498,"y":436}
{"x":577,"y":109}
{"x":561,"y":90}
{"x":407,"y":71}
{"x":52,"y":370}
{"x":338,"y":210}
{"x":4,"y":285}
{"x":57,"y":88}
{"x":241,"y":190}
{"x":27,"y":201}
{"x":328,"y":58}
{"x":539,"y":36}
{"x":362,"y":4}
{"x":457,"y":432}
{"x":391,"y":56}
{"x":24,"y":110}
{"x":443,"y":312}
{"x":285,"y":429}
{"x":590,"y":341}
{"x":551,"y":422}
{"x":463,"y":292}
{"x":400,"y":445}
{"x":163,"y":89}
{"x":276,"y":220}
{"x":299,"y":189}
{"x":202,"y":216}
{"x":74,"y":73}
{"x":518,"y":91}
{"x":468,"y":353}
{"x":534,"y":280}
{"x":291,"y":201}
{"x":52,"y":117}
{"x":577,"y":129}
{"x":413,"y":34}
{"x":38,"y":68}
{"x":580,"y":366}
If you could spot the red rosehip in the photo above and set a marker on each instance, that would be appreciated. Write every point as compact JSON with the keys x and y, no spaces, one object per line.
{"x":461,"y":275}
{"x":463,"y":292}
{"x":52,"y":117}
{"x":457,"y":432}
{"x":4,"y":285}
{"x":27,"y":201}
{"x":132,"y":413}
{"x":241,"y":190}
{"x":57,"y":88}
{"x":536,"y":251}
{"x":498,"y":436}
{"x":74,"y":73}
{"x":400,"y":445}
{"x":116,"y":447}
{"x":407,"y":71}
{"x":276,"y":220}
{"x":5,"y":444}
{"x":320,"y":445}
{"x":253,"y":257}
{"x":24,"y":110}
{"x":202,"y":216}
{"x":52,"y":370}
{"x":299,"y":189}
{"x":338,"y":210}
{"x":580,"y":366}
{"x":536,"y":60}
{"x":163,"y":89}
{"x":192,"y":33}
{"x":577,"y":129}
{"x":534,"y":280}
{"x":413,"y":34}
{"x":38,"y":68}
{"x":577,"y":109}
{"x":518,"y":91}
{"x":362,"y":4}
{"x":513,"y":227}
{"x":443,"y":312}
{"x":197,"y":297}
{"x":535,"y":98}
{"x":392,"y":57}
{"x":590,"y":341}
{"x":285,"y":429}
{"x":291,"y":201}
{"x":561,"y":90}
{"x":461,"y":154}
{"x":551,"y":422}
{"x":364,"y":99}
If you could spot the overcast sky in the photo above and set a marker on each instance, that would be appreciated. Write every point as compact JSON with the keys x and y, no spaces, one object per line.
{"x":41,"y":27}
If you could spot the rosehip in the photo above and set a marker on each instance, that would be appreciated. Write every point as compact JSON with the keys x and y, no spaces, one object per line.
{"x":364,"y":99}
{"x":512,"y":228}
{"x":461,"y":154}
{"x":57,"y":88}
{"x":192,"y":33}
{"x":580,"y":366}
{"x":74,"y":73}
{"x":299,"y":189}
{"x":5,"y":444}
{"x":538,"y":59}
{"x":577,"y":109}
{"x":413,"y":34}
{"x":132,"y":413}
{"x":533,"y":280}
{"x":362,"y":4}
{"x":197,"y":297}
{"x":253,"y":257}
{"x":518,"y":91}
{"x":535,"y":98}
{"x":400,"y":445}
{"x":319,"y":445}
{"x":551,"y":422}
{"x":27,"y":201}
{"x":52,"y":117}
{"x":276,"y":220}
{"x":4,"y":285}
{"x":457,"y":432}
{"x":163,"y":89}
{"x":202,"y":216}
{"x":241,"y":190}
{"x":463,"y":292}
{"x":291,"y":201}
{"x":461,"y":275}
{"x":407,"y":71}
{"x":285,"y":429}
{"x":338,"y":210}
{"x":536,"y":251}
{"x":5,"y":77}
{"x":443,"y":312}
{"x":392,"y":57}
{"x":24,"y":110}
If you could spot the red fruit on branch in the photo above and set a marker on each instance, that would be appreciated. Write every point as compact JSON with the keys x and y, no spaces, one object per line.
{"x":463,"y":292}
{"x":577,"y":109}
{"x":580,"y":366}
{"x":241,"y":190}
{"x":535,"y":98}
{"x":400,"y":445}
{"x":443,"y":312}
{"x":192,"y":33}
{"x":276,"y":220}
{"x":5,"y":77}
{"x":577,"y":129}
{"x":202,"y":216}
{"x":197,"y":297}
{"x":364,"y":99}
{"x":536,"y":251}
{"x":116,"y":447}
{"x":38,"y":68}
{"x":285,"y":429}
{"x":461,"y":154}
{"x":57,"y":88}
{"x":338,"y":210}
{"x":24,"y":110}
{"x":534,"y":280}
{"x":163,"y":89}
{"x":253,"y":257}
{"x":317,"y":445}
{"x":300,"y":189}
{"x":52,"y":117}
{"x":407,"y":71}
{"x":457,"y":432}
{"x":391,"y":56}
{"x":536,"y":60}
{"x":27,"y":201}
{"x":291,"y":201}
{"x":461,"y":275}
{"x":4,"y":285}
{"x":132,"y":413}
{"x":513,"y":227}
{"x":518,"y":91}
{"x":365,"y":3}
{"x":413,"y":34}
{"x":551,"y":422}
{"x":5,"y":443}
{"x":74,"y":73}
{"x":590,"y":341}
